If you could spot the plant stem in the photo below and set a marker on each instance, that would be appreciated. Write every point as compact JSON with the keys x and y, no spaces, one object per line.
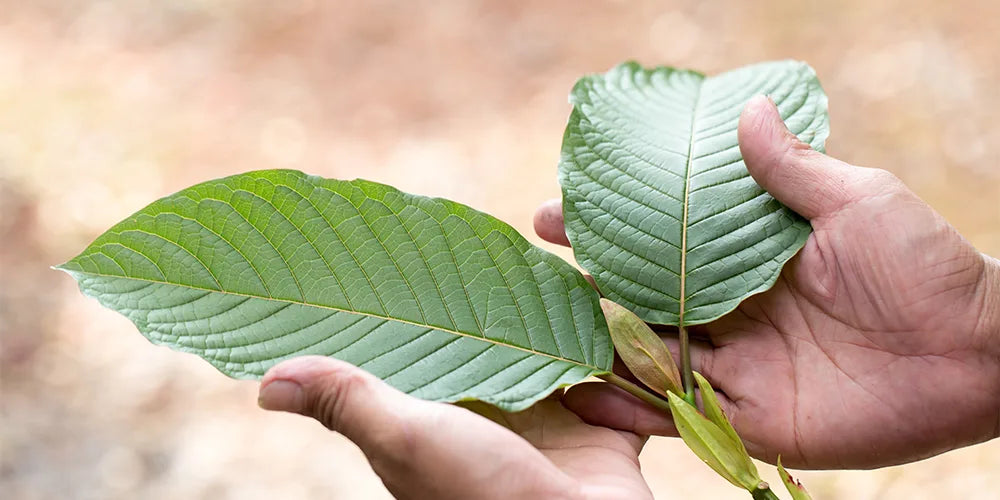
{"x":763,"y":493}
{"x":636,"y":391}
{"x":687,"y":377}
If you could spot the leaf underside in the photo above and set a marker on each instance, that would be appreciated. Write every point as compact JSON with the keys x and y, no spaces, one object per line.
{"x":441,"y":301}
{"x":658,"y":203}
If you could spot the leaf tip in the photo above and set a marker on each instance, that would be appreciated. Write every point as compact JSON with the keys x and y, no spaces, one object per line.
{"x":794,"y":486}
{"x":610,"y":307}
{"x":69,"y":267}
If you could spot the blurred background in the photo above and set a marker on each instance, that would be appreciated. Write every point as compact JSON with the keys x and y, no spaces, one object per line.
{"x":105,"y":106}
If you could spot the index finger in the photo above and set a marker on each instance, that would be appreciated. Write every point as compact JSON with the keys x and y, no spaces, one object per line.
{"x":549,"y":223}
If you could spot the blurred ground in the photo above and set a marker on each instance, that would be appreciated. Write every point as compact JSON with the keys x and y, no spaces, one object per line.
{"x":105,"y":106}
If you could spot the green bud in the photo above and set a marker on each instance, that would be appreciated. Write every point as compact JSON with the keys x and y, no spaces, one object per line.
{"x":713,"y":445}
{"x":714,"y":412}
{"x":794,"y":487}
{"x":641,"y":349}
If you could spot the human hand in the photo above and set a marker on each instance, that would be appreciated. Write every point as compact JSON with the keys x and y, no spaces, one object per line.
{"x":879,"y":344}
{"x":422,"y":449}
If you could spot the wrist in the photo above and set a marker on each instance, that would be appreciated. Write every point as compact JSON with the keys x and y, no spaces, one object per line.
{"x":988,"y":324}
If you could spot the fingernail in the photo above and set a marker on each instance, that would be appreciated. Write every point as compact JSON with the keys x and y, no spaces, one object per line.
{"x":281,"y":395}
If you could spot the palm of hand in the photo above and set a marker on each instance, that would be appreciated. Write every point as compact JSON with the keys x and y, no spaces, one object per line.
{"x":599,"y":462}
{"x":850,"y":360}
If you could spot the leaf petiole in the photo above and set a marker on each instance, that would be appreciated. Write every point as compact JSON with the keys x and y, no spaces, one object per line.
{"x":763,"y":492}
{"x":687,"y":375}
{"x":636,"y":391}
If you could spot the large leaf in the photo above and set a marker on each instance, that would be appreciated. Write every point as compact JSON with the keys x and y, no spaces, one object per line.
{"x":658,"y":204}
{"x":440,"y":300}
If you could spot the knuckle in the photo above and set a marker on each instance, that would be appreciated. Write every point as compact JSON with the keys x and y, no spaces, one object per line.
{"x":884,"y":178}
{"x":880,"y":184}
{"x":343,"y":400}
{"x":791,"y":153}
{"x":335,"y":392}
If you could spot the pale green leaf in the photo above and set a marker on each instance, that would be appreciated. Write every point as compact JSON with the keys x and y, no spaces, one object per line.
{"x":442,"y":301}
{"x":713,"y":445}
{"x":658,"y":204}
{"x":714,"y":412}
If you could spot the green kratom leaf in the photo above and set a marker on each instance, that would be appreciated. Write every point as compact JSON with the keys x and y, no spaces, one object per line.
{"x":713,"y":445}
{"x":793,"y":486}
{"x":658,"y":204}
{"x":641,"y":349}
{"x":442,"y":301}
{"x":714,"y":412}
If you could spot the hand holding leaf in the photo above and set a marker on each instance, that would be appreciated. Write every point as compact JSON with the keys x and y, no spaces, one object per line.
{"x":660,"y":178}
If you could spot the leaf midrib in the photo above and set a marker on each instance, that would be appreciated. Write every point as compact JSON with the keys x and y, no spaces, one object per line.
{"x":687,"y":192}
{"x":337,"y":309}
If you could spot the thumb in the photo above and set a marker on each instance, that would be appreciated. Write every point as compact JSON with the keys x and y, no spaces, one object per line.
{"x":389,"y":426}
{"x":420,"y":449}
{"x":342,"y":397}
{"x":805,"y":180}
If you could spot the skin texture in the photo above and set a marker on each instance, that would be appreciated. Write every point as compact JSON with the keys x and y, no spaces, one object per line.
{"x":433,"y":450}
{"x":878,"y":345}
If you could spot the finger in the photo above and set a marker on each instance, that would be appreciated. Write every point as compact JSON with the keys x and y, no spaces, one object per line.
{"x":702,"y":353}
{"x":549,"y":223}
{"x":807,"y":181}
{"x":605,"y":405}
{"x":635,"y":442}
{"x":419,"y":449}
{"x":342,"y":397}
